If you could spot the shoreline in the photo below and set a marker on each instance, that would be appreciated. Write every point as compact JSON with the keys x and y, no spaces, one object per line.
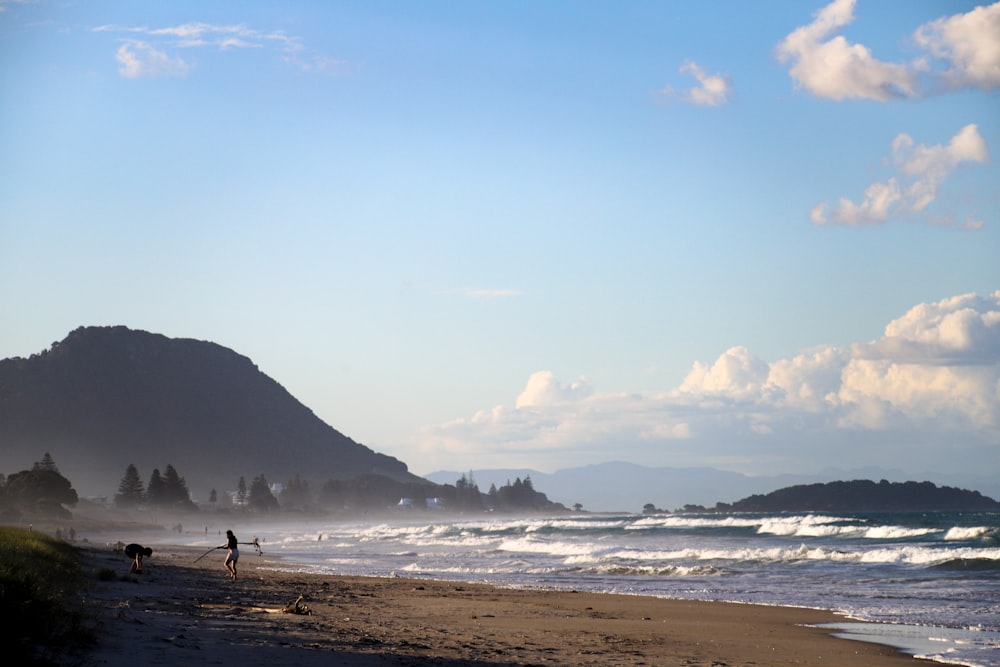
{"x":181,"y":612}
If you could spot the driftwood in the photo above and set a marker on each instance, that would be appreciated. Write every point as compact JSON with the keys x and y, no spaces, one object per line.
{"x":297,"y":607}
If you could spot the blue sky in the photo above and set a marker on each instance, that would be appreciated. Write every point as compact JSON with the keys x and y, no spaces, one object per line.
{"x":759,"y":236}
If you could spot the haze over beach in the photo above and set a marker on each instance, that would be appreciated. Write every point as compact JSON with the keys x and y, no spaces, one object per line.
{"x":761,"y":238}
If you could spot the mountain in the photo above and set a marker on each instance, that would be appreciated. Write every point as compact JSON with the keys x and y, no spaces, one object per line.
{"x":620,"y":486}
{"x":107,"y":397}
{"x":865,"y":495}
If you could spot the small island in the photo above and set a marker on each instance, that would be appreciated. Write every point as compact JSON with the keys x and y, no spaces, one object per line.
{"x":858,"y":496}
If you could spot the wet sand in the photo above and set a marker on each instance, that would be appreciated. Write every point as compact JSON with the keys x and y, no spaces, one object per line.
{"x":183,"y":613}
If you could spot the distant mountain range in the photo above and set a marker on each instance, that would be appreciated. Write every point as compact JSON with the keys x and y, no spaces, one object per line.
{"x":620,"y":486}
{"x":107,"y":397}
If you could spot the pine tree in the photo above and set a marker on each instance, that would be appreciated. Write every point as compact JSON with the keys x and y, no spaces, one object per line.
{"x":296,"y":493}
{"x":467,"y":495}
{"x":261,"y":497}
{"x":175,"y":489}
{"x":46,"y":464}
{"x":130,"y":490}
{"x":155,"y":491}
{"x":241,"y":492}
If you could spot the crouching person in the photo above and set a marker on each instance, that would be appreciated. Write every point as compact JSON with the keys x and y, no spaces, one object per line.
{"x":136,"y":552}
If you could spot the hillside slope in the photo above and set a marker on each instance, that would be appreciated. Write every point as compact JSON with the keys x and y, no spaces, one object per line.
{"x":106,"y":397}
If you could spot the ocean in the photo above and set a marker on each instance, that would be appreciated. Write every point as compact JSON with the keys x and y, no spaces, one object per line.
{"x":931,"y":580}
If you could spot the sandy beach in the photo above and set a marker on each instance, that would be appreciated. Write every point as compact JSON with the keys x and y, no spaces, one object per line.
{"x":179,"y":612}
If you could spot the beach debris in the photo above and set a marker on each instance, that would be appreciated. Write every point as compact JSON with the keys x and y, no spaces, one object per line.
{"x":296,"y":606}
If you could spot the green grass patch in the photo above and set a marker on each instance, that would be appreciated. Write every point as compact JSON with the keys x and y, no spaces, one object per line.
{"x":40,"y":582}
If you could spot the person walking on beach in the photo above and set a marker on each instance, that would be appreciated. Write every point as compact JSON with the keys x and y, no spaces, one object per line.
{"x":233,"y":555}
{"x":136,"y":552}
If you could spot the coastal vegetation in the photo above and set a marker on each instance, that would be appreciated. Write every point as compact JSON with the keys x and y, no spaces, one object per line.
{"x":40,"y":578}
{"x":43,"y":493}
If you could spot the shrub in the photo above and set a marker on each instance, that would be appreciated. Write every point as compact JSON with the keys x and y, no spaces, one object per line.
{"x":39,"y":578}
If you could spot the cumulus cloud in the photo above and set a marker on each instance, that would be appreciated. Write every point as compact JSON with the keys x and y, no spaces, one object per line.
{"x":544,"y":389}
{"x":827,"y":65}
{"x":921,"y":170}
{"x":969,"y":44}
{"x":139,"y":59}
{"x":932,"y":377}
{"x":712,"y":90}
{"x":938,"y":359}
{"x":962,"y":51}
{"x":220,"y":37}
{"x":735,"y":373}
{"x":958,"y":331}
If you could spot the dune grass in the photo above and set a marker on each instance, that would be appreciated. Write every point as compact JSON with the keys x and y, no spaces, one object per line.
{"x":40,"y":582}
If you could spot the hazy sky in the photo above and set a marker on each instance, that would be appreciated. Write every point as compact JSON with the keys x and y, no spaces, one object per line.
{"x":762,"y":236}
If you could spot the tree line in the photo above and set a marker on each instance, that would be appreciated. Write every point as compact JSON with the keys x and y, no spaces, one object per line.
{"x":519,"y":495}
{"x":166,"y":490}
{"x":44,"y":491}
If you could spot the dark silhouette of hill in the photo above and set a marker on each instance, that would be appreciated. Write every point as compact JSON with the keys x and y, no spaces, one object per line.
{"x":863,"y":496}
{"x":106,"y":397}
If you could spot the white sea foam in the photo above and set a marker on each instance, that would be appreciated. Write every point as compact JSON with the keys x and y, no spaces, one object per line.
{"x":914,"y":555}
{"x":660,"y":571}
{"x":864,"y":568}
{"x":826,"y":526}
{"x":896,"y":532}
{"x":689,"y":521}
{"x":555,"y":548}
{"x":960,"y":533}
{"x":808,"y":525}
{"x":574,"y":524}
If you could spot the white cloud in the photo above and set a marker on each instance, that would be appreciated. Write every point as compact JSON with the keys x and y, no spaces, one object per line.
{"x":961,"y":330}
{"x":830,"y":66}
{"x":139,"y":59}
{"x":735,"y":373}
{"x":969,"y":44}
{"x":544,"y":389}
{"x":963,"y":51}
{"x":922,"y":170}
{"x":192,"y":35}
{"x":712,"y":89}
{"x":932,"y":379}
{"x":220,"y":37}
